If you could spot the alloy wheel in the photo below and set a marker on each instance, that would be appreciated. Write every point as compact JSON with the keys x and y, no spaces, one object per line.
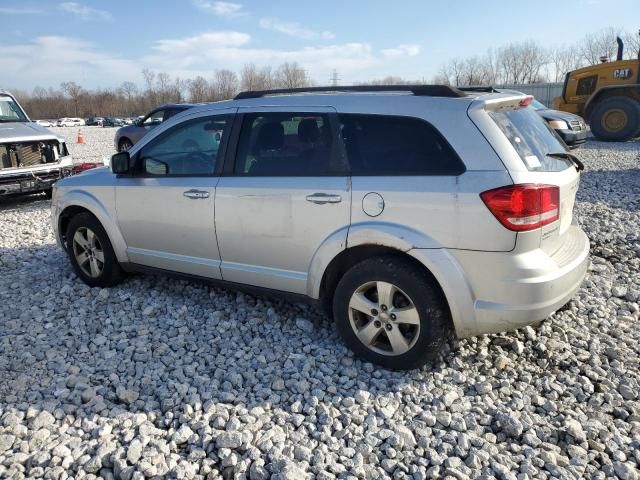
{"x":384,"y":318}
{"x":88,"y":252}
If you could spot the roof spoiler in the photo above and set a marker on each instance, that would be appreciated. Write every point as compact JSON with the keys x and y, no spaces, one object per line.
{"x":496,"y":103}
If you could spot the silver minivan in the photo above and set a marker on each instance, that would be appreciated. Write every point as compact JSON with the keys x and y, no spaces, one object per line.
{"x":408,"y":212}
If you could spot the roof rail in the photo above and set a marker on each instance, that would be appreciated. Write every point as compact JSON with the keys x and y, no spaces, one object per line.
{"x":487,"y":89}
{"x":418,"y":90}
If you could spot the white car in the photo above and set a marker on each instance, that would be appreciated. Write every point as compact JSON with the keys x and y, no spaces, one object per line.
{"x":70,"y":122}
{"x":44,"y":123}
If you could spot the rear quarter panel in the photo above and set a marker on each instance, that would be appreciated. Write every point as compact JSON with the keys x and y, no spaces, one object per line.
{"x":437,"y":211}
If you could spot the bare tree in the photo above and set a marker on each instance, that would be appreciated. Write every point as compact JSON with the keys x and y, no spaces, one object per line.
{"x":563,"y":59}
{"x":199,"y":90}
{"x":631,"y":45}
{"x":522,"y":62}
{"x":291,"y":75}
{"x":74,"y":91}
{"x":224,"y":85}
{"x":252,"y":78}
{"x":599,"y":44}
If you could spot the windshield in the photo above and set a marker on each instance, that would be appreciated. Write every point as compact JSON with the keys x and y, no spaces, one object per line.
{"x":532,"y":138}
{"x":10,"y":111}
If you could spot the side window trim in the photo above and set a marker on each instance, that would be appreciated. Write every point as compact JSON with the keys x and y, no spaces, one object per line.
{"x":453,"y":173}
{"x":337,"y":150}
{"x":137,"y":160}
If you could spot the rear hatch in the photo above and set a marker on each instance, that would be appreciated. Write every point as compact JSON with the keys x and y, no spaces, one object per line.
{"x":537,"y":156}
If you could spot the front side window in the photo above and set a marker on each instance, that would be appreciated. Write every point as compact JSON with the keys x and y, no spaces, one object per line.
{"x":285,"y":144}
{"x":10,"y":111}
{"x":190,"y":148}
{"x":390,"y":145}
{"x":154,"y":119}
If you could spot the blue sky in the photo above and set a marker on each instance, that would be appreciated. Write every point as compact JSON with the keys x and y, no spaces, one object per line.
{"x":101,"y":44}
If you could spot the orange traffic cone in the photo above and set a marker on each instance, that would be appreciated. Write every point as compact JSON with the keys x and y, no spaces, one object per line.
{"x":80,"y":137}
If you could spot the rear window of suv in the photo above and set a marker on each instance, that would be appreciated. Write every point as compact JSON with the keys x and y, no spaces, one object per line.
{"x":532,"y":138}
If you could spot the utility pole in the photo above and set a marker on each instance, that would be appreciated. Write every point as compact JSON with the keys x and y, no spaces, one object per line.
{"x":334,"y":78}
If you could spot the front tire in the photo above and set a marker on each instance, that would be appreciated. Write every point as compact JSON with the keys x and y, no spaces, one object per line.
{"x":90,"y":252}
{"x":615,"y":119}
{"x":392,"y":313}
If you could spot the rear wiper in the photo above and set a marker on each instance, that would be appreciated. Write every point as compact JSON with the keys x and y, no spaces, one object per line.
{"x":568,"y":156}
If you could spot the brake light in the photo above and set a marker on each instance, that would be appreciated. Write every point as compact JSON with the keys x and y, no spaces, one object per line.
{"x":525,"y":102}
{"x":524,"y":207}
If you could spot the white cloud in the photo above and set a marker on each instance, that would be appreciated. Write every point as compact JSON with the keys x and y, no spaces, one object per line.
{"x":204,"y":53}
{"x":83,"y":12}
{"x":222,"y":9}
{"x":401,"y":51}
{"x":19,"y":11}
{"x":294,"y":29}
{"x":49,"y":60}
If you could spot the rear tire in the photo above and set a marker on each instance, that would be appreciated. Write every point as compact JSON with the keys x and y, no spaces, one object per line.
{"x":90,"y":252}
{"x":48,"y":193}
{"x":392,"y":313}
{"x":615,"y":119}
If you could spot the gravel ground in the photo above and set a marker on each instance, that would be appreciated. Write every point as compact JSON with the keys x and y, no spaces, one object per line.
{"x":98,"y":143}
{"x":162,"y":377}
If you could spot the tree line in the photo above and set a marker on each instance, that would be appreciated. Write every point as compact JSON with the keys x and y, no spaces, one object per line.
{"x":515,"y":63}
{"x":529,"y":62}
{"x":127,"y":100}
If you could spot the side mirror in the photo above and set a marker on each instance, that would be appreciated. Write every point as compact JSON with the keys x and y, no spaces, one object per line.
{"x":120,"y":163}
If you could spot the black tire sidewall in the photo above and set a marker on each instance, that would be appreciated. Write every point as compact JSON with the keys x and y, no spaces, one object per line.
{"x":632,"y":111}
{"x":122,"y":142}
{"x":435,"y":319}
{"x":111,"y":273}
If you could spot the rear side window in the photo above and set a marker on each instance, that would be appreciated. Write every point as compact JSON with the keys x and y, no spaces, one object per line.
{"x":285,"y":144}
{"x":532,"y":138}
{"x":391,"y":145}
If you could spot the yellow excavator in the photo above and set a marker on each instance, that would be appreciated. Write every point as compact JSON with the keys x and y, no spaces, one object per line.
{"x":606,"y":95}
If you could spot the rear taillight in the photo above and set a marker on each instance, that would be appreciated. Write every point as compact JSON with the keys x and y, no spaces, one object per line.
{"x":524,"y":207}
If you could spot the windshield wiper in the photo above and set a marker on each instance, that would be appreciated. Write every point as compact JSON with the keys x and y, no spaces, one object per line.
{"x":568,"y":156}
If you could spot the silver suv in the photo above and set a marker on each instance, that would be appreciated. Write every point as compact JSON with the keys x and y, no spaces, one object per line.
{"x":408,"y":212}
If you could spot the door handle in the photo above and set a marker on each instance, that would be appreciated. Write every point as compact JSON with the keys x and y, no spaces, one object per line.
{"x":322,"y":198}
{"x":196,"y":194}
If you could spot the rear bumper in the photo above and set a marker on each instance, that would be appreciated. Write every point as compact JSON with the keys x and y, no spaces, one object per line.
{"x":505,"y":291}
{"x":33,"y":180}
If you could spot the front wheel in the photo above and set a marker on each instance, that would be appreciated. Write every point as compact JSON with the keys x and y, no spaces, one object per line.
{"x":90,"y":251}
{"x":392,"y":313}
